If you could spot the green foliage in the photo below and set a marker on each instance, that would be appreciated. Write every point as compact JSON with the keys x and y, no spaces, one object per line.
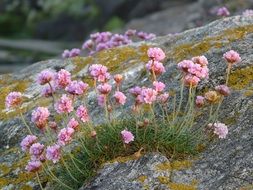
{"x":114,"y":23}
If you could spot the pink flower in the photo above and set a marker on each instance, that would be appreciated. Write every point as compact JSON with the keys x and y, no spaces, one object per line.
{"x":201,"y":60}
{"x":185,"y":65}
{"x":101,"y":100}
{"x":73,"y":123}
{"x":47,"y":91}
{"x":62,"y":78}
{"x":220,"y":129}
{"x":36,"y":150}
{"x":82,"y":113}
{"x":45,"y":77}
{"x":40,"y":117}
{"x":66,"y":53}
{"x":223,"y":11}
{"x":248,"y":12}
{"x":159,"y":86}
{"x":64,"y":105}
{"x":76,"y":87}
{"x":27,"y":142}
{"x":148,"y":95}
{"x":118,"y":78}
{"x":74,"y":52}
{"x":199,"y":71}
{"x":145,"y":36}
{"x":52,"y":125}
{"x":135,"y":91}
{"x":156,"y":54}
{"x":191,"y":80}
{"x":130,"y":32}
{"x":158,"y":67}
{"x":163,"y":98}
{"x":99,"y":72}
{"x":232,"y":57}
{"x":104,"y":88}
{"x":88,"y":44}
{"x":33,"y":166}
{"x":65,"y":136}
{"x":13,"y":99}
{"x":223,"y":89}
{"x":127,"y":136}
{"x":120,"y":97}
{"x":200,"y":101}
{"x":53,"y":153}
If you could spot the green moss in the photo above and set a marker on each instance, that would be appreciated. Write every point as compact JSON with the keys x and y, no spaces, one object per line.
{"x":241,"y":78}
{"x":4,"y":169}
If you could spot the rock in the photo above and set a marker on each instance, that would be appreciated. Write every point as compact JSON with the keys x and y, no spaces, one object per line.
{"x":225,"y":164}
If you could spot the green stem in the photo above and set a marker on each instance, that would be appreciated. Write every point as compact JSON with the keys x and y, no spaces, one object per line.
{"x":67,"y":168}
{"x":27,"y":126}
{"x":38,"y":178}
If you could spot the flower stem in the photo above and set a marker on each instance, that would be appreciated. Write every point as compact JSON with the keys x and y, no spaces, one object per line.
{"x":38,"y":178}
{"x":23,"y":119}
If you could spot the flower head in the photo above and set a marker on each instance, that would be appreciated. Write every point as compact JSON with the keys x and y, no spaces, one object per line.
{"x":120,"y":97}
{"x":200,"y":101}
{"x":101,"y":100}
{"x":62,"y":78}
{"x":157,"y":66}
{"x":82,"y":113}
{"x":45,"y":77}
{"x":47,"y":91}
{"x":104,"y":88}
{"x":88,"y":44}
{"x":118,"y":78}
{"x":36,"y":150}
{"x":127,"y":136}
{"x":76,"y":87}
{"x":201,"y":60}
{"x":53,"y":153}
{"x":27,"y":142}
{"x":156,"y":54}
{"x":248,"y":12}
{"x":64,"y":105}
{"x":223,"y":11}
{"x":99,"y":72}
{"x":65,"y":136}
{"x":223,"y":89}
{"x":159,"y":86}
{"x":73,"y":123}
{"x":13,"y":99}
{"x":185,"y":65}
{"x":52,"y":125}
{"x":191,"y":80}
{"x":135,"y":91}
{"x":33,"y":166}
{"x":211,"y":96}
{"x":163,"y":98}
{"x":220,"y":129}
{"x":145,"y":36}
{"x":232,"y":57}
{"x":148,"y":95}
{"x":40,"y":117}
{"x":130,"y":32}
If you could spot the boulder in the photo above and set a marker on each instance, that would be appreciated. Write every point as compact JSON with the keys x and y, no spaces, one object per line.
{"x":224,"y":164}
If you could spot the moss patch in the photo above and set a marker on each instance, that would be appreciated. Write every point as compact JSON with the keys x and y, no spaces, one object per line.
{"x":175,"y":165}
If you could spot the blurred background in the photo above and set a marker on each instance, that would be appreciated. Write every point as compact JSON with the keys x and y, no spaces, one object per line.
{"x":35,"y":30}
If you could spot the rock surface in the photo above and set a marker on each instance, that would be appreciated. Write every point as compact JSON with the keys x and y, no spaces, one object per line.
{"x":225,"y":164}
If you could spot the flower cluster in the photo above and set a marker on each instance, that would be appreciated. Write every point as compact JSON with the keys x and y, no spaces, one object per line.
{"x":248,"y":12}
{"x":71,"y":53}
{"x":104,"y":40}
{"x":13,"y":99}
{"x":219,"y":129}
{"x":223,"y":11}
{"x":194,"y":70}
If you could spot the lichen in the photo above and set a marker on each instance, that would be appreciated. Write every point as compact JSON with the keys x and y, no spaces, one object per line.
{"x":163,"y":166}
{"x":142,"y":178}
{"x":241,"y":78}
{"x":181,"y":186}
{"x":248,"y":93}
{"x":174,"y":165}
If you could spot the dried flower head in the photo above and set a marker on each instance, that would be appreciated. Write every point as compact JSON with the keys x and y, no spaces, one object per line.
{"x":211,"y":96}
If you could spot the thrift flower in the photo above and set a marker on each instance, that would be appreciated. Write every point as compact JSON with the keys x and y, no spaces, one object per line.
{"x":104,"y":88}
{"x":135,"y":91}
{"x":185,"y":65}
{"x":191,"y":80}
{"x":45,"y":77}
{"x":130,"y":32}
{"x":13,"y":99}
{"x":99,"y":72}
{"x":127,"y":136}
{"x":53,"y":153}
{"x":52,"y":125}
{"x":36,"y":150}
{"x":158,"y":67}
{"x":40,"y":117}
{"x":74,"y":52}
{"x":248,"y":12}
{"x":223,"y":11}
{"x":118,"y":78}
{"x":27,"y":142}
{"x":66,"y":53}
{"x":88,"y":44}
{"x":62,"y":78}
{"x":82,"y":113}
{"x":65,"y":136}
{"x":200,"y":101}
{"x":163,"y":98}
{"x":120,"y":97}
{"x":232,"y":57}
{"x":47,"y":91}
{"x":223,"y":89}
{"x":159,"y":86}
{"x":33,"y":166}
{"x":156,"y":54}
{"x":64,"y":105}
{"x":73,"y":123}
{"x":146,"y":36}
{"x":221,"y":130}
{"x":201,"y":60}
{"x":148,"y":95}
{"x":211,"y":96}
{"x":76,"y":87}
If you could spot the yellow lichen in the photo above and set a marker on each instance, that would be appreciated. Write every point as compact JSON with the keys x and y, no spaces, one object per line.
{"x":142,"y":178}
{"x":179,"y":165}
{"x":4,"y":169}
{"x":241,"y":78}
{"x":248,"y":93}
{"x":26,"y":187}
{"x":163,"y":166}
{"x":163,"y":180}
{"x":181,"y":186}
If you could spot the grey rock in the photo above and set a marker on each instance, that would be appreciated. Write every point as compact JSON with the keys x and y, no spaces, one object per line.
{"x":225,"y":164}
